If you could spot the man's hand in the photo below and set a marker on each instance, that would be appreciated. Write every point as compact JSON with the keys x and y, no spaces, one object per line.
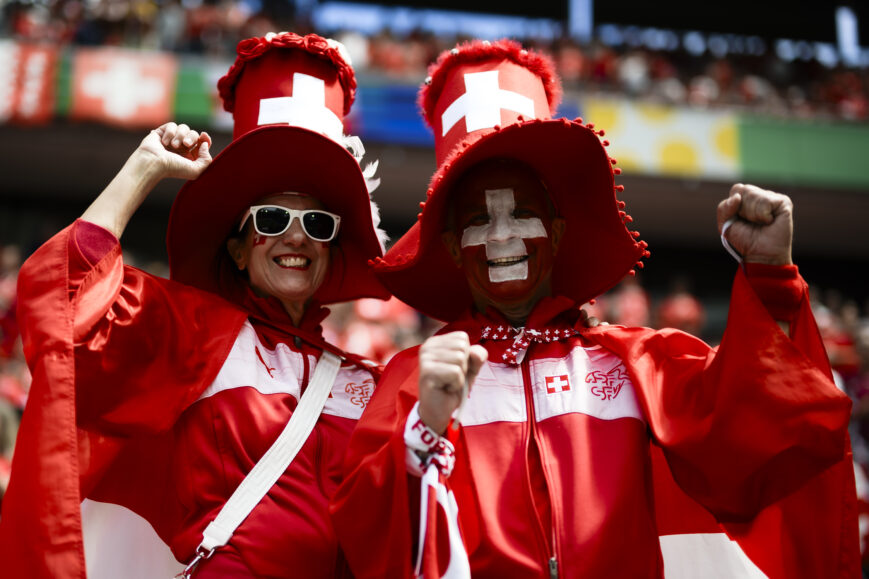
{"x":446,"y":362}
{"x":179,"y":151}
{"x":762,"y":224}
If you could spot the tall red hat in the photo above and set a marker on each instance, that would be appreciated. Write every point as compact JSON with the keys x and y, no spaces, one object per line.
{"x":288,"y":95}
{"x":491,"y":100}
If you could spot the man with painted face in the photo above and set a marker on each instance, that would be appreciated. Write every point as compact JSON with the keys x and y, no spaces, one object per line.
{"x":520,"y":442}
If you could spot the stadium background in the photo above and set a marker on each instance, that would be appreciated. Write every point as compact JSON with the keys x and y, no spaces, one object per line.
{"x":693,"y":97}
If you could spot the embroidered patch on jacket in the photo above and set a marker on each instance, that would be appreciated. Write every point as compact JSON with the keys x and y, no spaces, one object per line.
{"x":556,"y":384}
{"x":606,"y":385}
{"x":360,"y":393}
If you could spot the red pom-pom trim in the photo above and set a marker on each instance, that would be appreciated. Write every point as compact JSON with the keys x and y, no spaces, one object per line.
{"x":253,"y":48}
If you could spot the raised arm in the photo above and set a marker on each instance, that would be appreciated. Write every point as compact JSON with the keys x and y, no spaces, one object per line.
{"x":169,"y":151}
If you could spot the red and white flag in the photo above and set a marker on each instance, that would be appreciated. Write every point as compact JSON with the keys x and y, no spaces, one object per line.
{"x":123,"y":87}
{"x":27,"y":81}
{"x":442,"y":553}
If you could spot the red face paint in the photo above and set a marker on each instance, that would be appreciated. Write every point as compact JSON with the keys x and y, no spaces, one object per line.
{"x":530,"y":203}
{"x":258,"y":239}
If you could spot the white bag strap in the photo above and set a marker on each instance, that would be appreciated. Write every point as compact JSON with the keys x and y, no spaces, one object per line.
{"x":274,"y":462}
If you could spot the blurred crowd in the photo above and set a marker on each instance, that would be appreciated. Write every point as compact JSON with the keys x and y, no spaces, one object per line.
{"x":766,"y":84}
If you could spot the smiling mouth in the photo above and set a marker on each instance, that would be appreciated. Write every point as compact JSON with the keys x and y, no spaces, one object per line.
{"x":293,"y":261}
{"x":506,"y":261}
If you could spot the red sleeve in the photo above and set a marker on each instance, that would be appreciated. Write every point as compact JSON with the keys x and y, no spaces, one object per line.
{"x":377,"y":487}
{"x":111,"y":349}
{"x":747,"y":423}
{"x":145,"y":347}
{"x":92,"y":243}
{"x":780,"y":288}
{"x":755,"y":431}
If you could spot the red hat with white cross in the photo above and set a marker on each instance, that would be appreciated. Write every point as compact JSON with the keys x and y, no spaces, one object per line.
{"x":288,"y":95}
{"x":495,"y":100}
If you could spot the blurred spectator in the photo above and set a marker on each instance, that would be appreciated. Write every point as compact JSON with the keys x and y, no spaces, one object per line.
{"x":376,"y":329}
{"x":680,"y":309}
{"x":628,"y":304}
{"x":571,"y":61}
{"x":633,"y":73}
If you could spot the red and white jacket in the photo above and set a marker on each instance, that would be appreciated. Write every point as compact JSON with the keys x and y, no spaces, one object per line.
{"x":568,"y":448}
{"x":161,"y":398}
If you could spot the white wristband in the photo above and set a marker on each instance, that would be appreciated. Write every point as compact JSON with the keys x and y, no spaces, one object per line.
{"x":726,"y":243}
{"x":425,"y":446}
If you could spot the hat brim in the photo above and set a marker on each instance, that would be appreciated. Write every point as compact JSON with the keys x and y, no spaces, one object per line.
{"x":274,"y":159}
{"x":597,"y":250}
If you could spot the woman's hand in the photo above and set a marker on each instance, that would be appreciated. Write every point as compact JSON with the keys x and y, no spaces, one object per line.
{"x":446,"y":363}
{"x":179,"y":151}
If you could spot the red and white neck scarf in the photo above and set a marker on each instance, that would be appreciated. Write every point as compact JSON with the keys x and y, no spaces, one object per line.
{"x":524,"y":337}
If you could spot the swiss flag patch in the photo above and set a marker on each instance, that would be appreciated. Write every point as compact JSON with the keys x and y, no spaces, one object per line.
{"x":555,"y":384}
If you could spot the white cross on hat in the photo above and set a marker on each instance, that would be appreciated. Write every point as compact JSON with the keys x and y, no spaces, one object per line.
{"x":306,"y":108}
{"x":482,"y":103}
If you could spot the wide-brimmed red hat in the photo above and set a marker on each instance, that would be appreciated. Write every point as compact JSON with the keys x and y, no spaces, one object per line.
{"x":288,"y":95}
{"x":494,"y":100}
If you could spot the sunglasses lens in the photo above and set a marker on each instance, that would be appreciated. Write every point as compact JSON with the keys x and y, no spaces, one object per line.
{"x":319,"y":225}
{"x":271,"y":220}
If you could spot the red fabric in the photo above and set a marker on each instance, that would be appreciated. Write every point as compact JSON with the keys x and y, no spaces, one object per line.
{"x":779,"y":287}
{"x":741,"y":427}
{"x":443,"y":553}
{"x":40,"y":527}
{"x":138,"y":430}
{"x":250,"y":49}
{"x":811,"y":532}
{"x":418,"y":269}
{"x":476,"y":52}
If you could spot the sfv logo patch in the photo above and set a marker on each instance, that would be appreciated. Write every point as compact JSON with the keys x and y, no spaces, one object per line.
{"x":606,"y":386}
{"x":555,"y":384}
{"x":360,"y":394}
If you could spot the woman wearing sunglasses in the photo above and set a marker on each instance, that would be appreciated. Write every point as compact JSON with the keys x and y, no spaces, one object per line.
{"x":207,"y":408}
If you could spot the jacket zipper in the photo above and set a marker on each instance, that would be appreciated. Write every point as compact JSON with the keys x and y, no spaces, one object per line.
{"x":553,"y":568}
{"x":532,"y":419}
{"x":306,"y":370}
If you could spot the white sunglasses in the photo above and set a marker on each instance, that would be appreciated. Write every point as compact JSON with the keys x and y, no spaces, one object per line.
{"x":271,"y":220}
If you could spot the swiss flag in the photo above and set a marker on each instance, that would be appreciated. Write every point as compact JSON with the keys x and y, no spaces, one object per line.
{"x":442,"y":553}
{"x":27,"y":80}
{"x":123,"y":87}
{"x":555,"y":384}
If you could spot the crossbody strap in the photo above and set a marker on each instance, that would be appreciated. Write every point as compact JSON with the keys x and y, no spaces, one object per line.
{"x":274,"y":462}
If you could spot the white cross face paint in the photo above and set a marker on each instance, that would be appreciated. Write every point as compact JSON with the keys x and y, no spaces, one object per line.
{"x":504,"y":237}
